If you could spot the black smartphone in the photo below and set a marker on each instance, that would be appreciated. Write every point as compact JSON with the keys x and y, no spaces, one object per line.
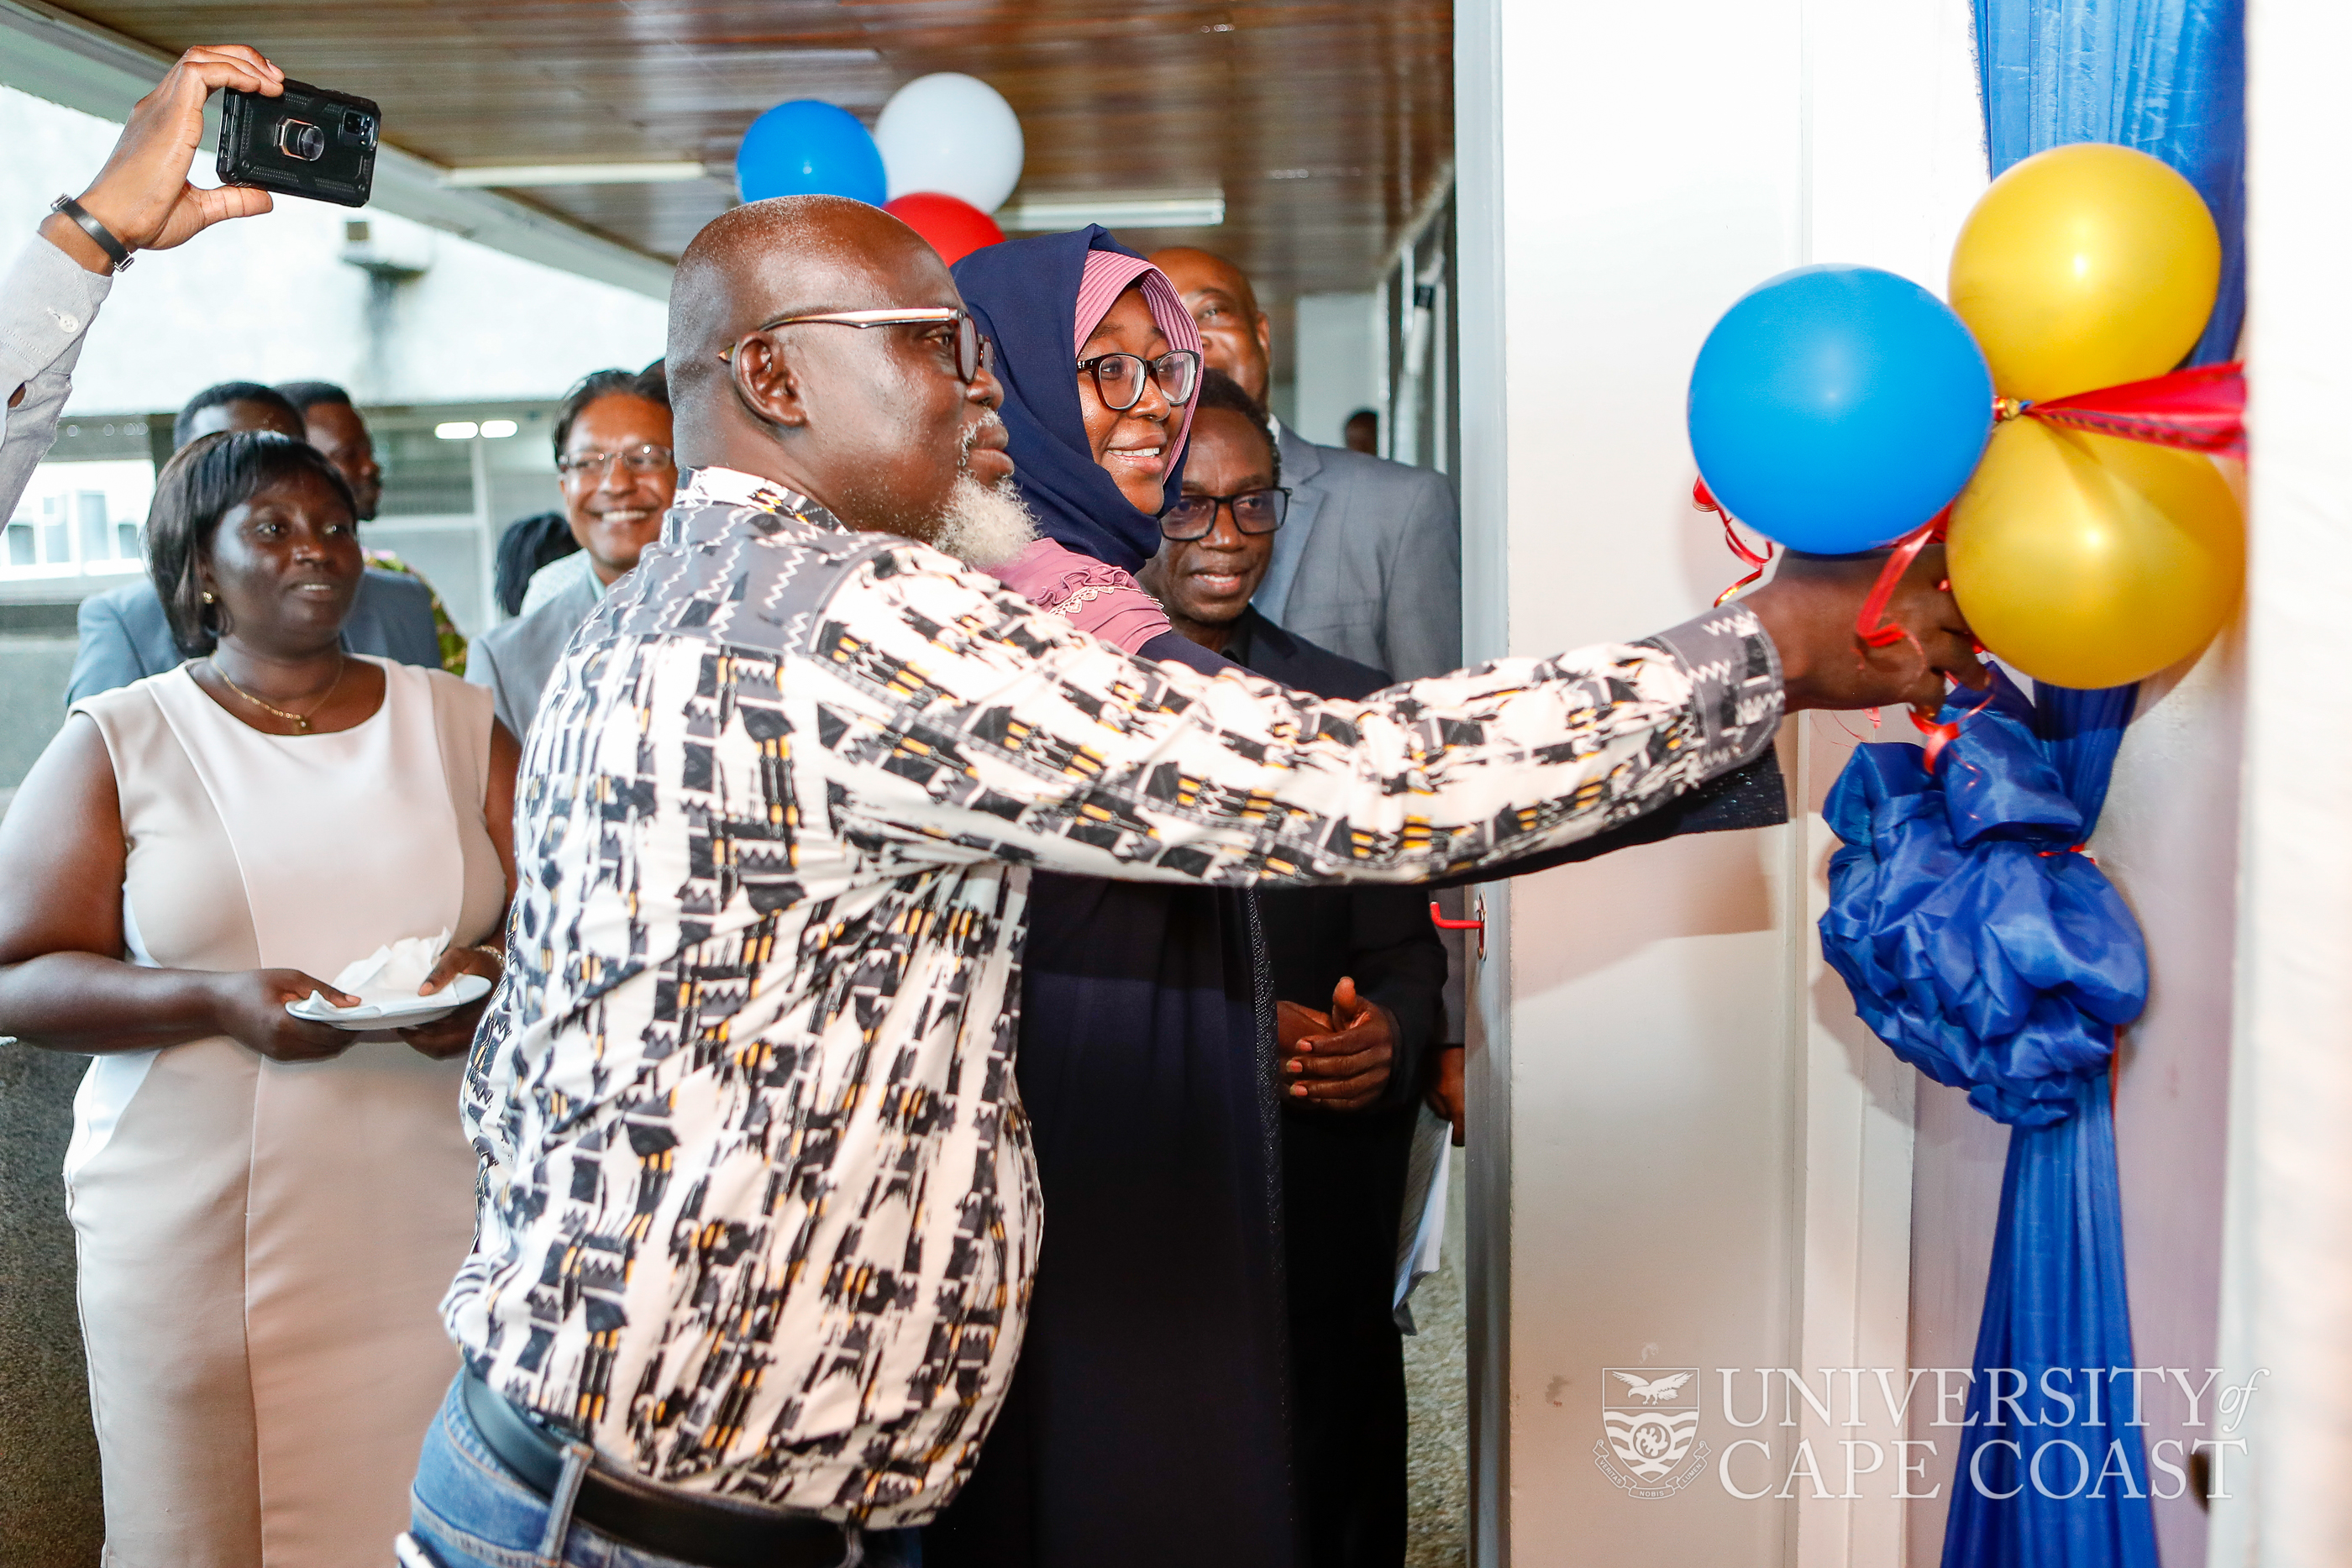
{"x":308,"y":143}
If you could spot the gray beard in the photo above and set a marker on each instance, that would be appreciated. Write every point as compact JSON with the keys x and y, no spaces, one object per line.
{"x":984,"y":526}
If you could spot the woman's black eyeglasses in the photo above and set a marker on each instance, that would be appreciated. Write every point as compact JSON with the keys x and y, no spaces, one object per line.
{"x":1119,"y":378}
{"x":973,"y":351}
{"x":1189,"y":518}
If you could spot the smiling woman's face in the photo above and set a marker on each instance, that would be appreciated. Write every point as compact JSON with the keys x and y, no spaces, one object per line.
{"x":1132,"y":444}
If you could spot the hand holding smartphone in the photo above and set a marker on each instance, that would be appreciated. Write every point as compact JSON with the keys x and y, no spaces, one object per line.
{"x":303,"y":142}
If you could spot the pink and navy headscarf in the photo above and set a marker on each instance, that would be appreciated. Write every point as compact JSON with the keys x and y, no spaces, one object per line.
{"x":1040,"y":298}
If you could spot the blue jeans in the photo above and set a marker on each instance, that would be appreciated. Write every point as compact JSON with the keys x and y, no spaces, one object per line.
{"x":469,"y":1510}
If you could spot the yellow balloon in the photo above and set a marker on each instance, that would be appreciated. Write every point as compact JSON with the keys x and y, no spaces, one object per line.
{"x":2089,"y":561}
{"x":2086,"y":266}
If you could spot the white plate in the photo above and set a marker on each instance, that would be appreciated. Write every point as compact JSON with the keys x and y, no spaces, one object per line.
{"x":404,"y":1012}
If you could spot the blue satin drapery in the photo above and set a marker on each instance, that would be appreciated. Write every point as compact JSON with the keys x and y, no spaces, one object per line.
{"x":2167,"y":77}
{"x":1977,"y":943}
{"x":1988,"y":951}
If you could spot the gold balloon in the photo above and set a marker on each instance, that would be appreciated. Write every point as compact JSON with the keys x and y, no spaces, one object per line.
{"x":2089,"y":561}
{"x":2087,"y":265}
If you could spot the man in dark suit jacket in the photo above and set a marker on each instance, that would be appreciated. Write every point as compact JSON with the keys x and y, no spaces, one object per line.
{"x":1369,"y":562}
{"x":1358,"y":973}
{"x":124,"y":636}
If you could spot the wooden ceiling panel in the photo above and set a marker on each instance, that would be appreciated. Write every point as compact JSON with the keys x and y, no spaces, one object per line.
{"x":1327,"y":123}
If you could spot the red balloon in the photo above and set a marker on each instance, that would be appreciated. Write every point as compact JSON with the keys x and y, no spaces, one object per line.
{"x":955,"y":228}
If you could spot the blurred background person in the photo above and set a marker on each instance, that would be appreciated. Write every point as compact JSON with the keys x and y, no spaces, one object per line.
{"x":529,"y":543}
{"x":125,"y":635}
{"x":267,"y":1210}
{"x":1359,"y":975}
{"x":1362,"y":433}
{"x":613,"y":455}
{"x":1369,"y":563}
{"x":331,"y":424}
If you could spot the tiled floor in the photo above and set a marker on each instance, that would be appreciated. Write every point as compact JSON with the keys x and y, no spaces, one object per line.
{"x":1437,"y":1395}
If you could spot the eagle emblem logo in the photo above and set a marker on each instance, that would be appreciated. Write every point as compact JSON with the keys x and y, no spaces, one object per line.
{"x":1650,"y":1444}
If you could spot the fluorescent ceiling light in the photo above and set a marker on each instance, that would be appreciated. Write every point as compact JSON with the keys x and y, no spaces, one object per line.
{"x":521,"y":174}
{"x":498,"y":429}
{"x":1189,"y":210}
{"x":457,"y":429}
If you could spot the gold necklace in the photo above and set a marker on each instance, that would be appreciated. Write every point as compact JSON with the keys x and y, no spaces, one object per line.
{"x":301,"y":721}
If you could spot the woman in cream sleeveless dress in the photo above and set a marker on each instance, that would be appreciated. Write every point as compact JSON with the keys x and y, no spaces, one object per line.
{"x":267,"y":1210}
{"x":264,"y":1244}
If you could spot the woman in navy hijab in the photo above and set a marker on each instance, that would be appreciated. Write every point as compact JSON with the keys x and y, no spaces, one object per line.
{"x":1146,"y":1426}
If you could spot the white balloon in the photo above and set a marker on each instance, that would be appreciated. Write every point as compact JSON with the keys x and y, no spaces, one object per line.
{"x":954,"y":134}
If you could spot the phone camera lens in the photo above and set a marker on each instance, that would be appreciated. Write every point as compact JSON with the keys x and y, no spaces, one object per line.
{"x":301,"y":140}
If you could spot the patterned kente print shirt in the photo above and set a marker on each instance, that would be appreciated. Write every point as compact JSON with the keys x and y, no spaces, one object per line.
{"x":758,"y":1214}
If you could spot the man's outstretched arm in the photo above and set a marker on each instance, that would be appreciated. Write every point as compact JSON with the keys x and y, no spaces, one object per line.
{"x":974,"y":729}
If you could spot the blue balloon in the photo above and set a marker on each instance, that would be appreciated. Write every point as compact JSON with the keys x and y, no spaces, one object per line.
{"x":1837,"y":408}
{"x":808,"y":148}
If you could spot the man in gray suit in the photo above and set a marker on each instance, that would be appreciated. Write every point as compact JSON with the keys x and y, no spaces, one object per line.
{"x":124,"y":636}
{"x":1369,"y":562}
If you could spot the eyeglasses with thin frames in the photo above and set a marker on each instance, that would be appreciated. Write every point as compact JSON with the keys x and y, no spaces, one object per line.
{"x":974,"y":352}
{"x":1120,"y":379}
{"x":1190,"y":517}
{"x":645,"y":459}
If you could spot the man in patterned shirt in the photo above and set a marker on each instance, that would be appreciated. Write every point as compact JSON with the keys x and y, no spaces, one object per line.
{"x":758,"y":1211}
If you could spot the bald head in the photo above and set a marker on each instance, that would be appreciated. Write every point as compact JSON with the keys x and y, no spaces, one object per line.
{"x":765,"y":259}
{"x":1235,"y":335}
{"x":872,"y":423}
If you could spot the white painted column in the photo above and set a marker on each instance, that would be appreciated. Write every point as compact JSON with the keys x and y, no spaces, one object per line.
{"x":2287,"y":1304}
{"x":1684,"y":1152}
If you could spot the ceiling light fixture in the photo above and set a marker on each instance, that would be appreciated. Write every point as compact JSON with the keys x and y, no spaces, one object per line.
{"x":1192,"y":210}
{"x":513,"y":175}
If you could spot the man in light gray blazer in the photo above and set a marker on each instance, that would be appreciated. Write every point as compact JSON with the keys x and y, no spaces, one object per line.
{"x":1369,"y":562}
{"x":613,"y":452}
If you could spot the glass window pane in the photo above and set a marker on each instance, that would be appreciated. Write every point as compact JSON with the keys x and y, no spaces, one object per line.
{"x":97,"y":538}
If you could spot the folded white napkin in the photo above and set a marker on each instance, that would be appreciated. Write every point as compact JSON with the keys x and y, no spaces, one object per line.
{"x":394,"y":972}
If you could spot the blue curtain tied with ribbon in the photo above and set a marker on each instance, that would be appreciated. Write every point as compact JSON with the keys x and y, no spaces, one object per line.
{"x":1978,"y":940}
{"x":1988,"y":950}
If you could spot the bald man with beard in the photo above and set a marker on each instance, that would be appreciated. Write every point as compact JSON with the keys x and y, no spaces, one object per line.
{"x":759,"y":1210}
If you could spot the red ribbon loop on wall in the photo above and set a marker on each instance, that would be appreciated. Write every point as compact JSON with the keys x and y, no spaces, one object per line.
{"x":1704,"y":500}
{"x":2201,"y":409}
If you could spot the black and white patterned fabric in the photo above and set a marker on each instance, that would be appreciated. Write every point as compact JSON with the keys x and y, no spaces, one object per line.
{"x":758,"y":1214}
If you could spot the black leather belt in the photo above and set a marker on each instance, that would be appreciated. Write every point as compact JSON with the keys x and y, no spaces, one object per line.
{"x":650,"y":1518}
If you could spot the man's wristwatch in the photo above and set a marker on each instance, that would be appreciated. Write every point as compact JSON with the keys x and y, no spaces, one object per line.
{"x":117,"y":254}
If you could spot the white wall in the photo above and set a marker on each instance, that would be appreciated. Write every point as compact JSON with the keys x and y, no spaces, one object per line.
{"x":1687,"y":1153}
{"x":1334,"y":348}
{"x":269,"y":299}
{"x":2288,"y":1273}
